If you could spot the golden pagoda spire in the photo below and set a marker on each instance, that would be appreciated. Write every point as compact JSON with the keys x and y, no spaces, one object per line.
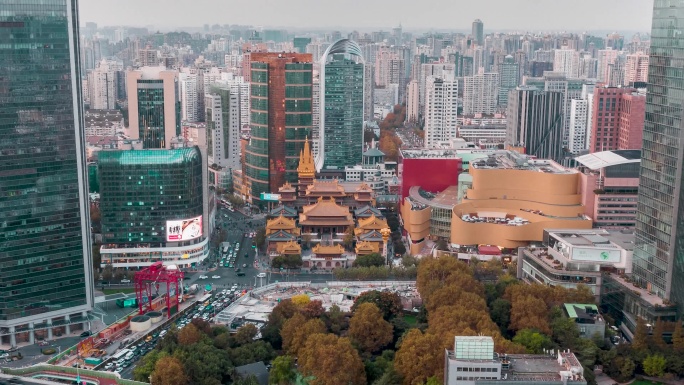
{"x":306,"y":168}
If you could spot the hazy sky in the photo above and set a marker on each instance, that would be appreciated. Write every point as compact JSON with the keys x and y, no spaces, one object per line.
{"x":524,"y":15}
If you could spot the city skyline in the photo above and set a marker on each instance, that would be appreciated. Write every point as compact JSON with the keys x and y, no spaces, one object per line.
{"x":519,"y":15}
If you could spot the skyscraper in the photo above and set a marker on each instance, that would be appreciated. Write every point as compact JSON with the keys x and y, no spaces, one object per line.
{"x":480,"y":93}
{"x":478,"y":32}
{"x":508,"y":76}
{"x":281,"y":104}
{"x":535,"y":122}
{"x":341,"y":105}
{"x":658,"y":264}
{"x":441,"y":110}
{"x":45,"y":251}
{"x":153,"y":106}
{"x":566,"y":61}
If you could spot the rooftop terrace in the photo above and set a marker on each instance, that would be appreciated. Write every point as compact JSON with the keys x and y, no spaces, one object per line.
{"x":511,"y":160}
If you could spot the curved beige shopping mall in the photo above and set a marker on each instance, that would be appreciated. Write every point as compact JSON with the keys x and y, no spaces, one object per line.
{"x":512,"y":200}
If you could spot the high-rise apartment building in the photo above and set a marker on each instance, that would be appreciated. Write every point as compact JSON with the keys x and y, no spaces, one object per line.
{"x":636,"y":69}
{"x":46,"y":282}
{"x":618,"y":116}
{"x":480,"y":93}
{"x":103,"y":84}
{"x":435,"y":70}
{"x":281,"y":104}
{"x":579,"y":116}
{"x":478,"y":32}
{"x":605,"y":57}
{"x":534,"y":122}
{"x":148,"y":57}
{"x":508,"y":79}
{"x":341,"y":105}
{"x":566,"y":60}
{"x":187,"y":83}
{"x":223,"y":119}
{"x":441,"y":110}
{"x":412,"y":102}
{"x":389,"y":68}
{"x":153,"y":106}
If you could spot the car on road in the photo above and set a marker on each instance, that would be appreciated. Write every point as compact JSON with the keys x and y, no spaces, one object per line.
{"x":203,"y":277}
{"x":261,"y":275}
{"x":244,"y":265}
{"x":240,"y":274}
{"x":4,"y":355}
{"x":109,"y":366}
{"x":86,"y":333}
{"x":119,"y":369}
{"x":125,"y":280}
{"x":215,"y":277}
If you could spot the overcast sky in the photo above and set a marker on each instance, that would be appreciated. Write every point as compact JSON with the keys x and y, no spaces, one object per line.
{"x":522,"y":15}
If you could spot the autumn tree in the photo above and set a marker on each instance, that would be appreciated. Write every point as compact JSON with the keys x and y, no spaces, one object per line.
{"x":281,"y":313}
{"x":335,"y":320}
{"x":202,"y":325}
{"x":245,"y":334}
{"x":348,"y":240}
{"x":640,"y":341}
{"x":146,"y":366}
{"x":435,"y":273}
{"x":389,"y":303}
{"x":169,"y":371}
{"x":678,"y":338}
{"x":419,"y":357}
{"x":368,"y":329}
{"x":331,"y":360}
{"x":300,"y":300}
{"x":313,"y":309}
{"x":189,"y":335}
{"x":297,"y":330}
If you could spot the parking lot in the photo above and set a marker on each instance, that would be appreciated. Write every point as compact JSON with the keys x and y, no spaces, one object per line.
{"x":125,"y":359}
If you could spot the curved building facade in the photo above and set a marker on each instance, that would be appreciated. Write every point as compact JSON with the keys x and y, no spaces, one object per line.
{"x":341,"y":105}
{"x":512,"y":200}
{"x":153,"y":206}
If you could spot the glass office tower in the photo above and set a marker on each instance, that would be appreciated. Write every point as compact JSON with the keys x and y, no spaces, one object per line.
{"x":342,"y":71}
{"x":280,"y":120}
{"x":658,"y":263}
{"x":45,"y":251}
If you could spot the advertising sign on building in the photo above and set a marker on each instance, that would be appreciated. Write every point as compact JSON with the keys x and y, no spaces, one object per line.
{"x":270,"y":197}
{"x":184,"y":229}
{"x":595,"y":255}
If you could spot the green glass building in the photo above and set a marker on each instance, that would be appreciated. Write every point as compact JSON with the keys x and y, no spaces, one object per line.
{"x":45,"y":251}
{"x":281,"y":119}
{"x":342,"y":71}
{"x":143,"y":191}
{"x":658,"y":262}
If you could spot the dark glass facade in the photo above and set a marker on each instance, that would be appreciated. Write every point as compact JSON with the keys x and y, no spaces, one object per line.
{"x":658,"y":263}
{"x":140,"y":190}
{"x":281,"y":119}
{"x":44,"y":232}
{"x":343,"y":127}
{"x":151,"y":113}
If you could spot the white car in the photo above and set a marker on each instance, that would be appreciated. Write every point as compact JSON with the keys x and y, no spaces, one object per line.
{"x":215,"y":277}
{"x":261,"y":275}
{"x":203,"y":277}
{"x":125,"y":280}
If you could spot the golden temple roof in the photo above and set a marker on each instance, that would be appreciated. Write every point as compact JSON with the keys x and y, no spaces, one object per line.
{"x":364,"y":247}
{"x":281,"y":223}
{"x":289,"y":248}
{"x":306,"y":168}
{"x":334,"y":249}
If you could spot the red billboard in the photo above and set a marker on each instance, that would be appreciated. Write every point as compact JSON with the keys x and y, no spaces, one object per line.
{"x":433,"y":175}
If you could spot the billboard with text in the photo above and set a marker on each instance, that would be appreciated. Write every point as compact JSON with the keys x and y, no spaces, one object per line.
{"x":183,"y":229}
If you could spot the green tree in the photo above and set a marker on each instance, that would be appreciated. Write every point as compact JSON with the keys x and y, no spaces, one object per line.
{"x":260,"y":237}
{"x":335,"y":320}
{"x":283,"y":371}
{"x":654,"y":365}
{"x":144,"y":369}
{"x":169,"y":371}
{"x":245,"y":334}
{"x":373,"y":259}
{"x":500,"y":310}
{"x":388,"y":303}
{"x":368,"y":329}
{"x":246,"y":380}
{"x":533,"y":341}
{"x":348,"y":240}
{"x":251,"y":353}
{"x":204,"y":363}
